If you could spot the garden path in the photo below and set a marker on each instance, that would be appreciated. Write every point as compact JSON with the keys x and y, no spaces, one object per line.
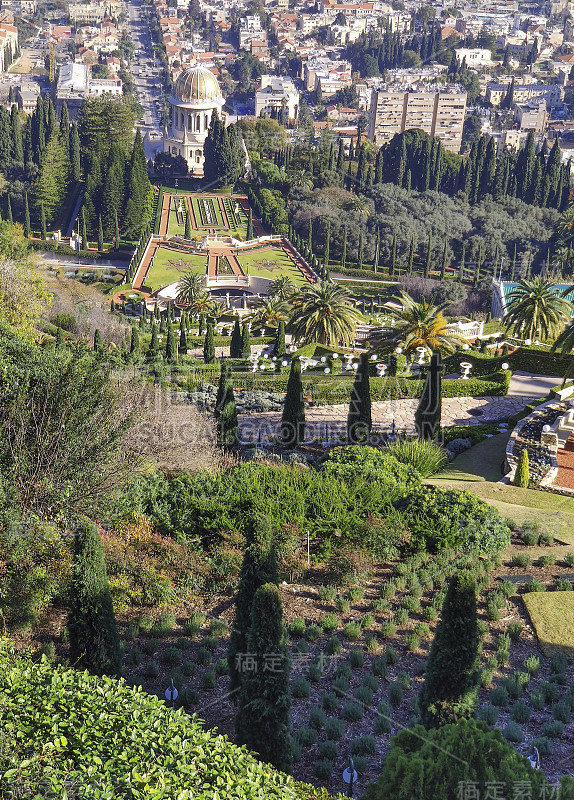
{"x":330,"y":421}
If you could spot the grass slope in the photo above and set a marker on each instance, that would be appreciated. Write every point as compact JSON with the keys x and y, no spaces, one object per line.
{"x":480,"y":463}
{"x":552,"y":616}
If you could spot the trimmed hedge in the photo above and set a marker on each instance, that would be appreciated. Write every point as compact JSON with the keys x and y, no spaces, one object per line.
{"x":122,"y":742}
{"x":536,"y":359}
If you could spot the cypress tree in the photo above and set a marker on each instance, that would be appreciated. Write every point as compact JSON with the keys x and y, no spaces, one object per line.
{"x":98,"y":342}
{"x":280,"y":348}
{"x":450,"y":688}
{"x":522,"y":474}
{"x":171,"y":347}
{"x":187,"y":232}
{"x":378,"y":249}
{"x":227,"y":413}
{"x":17,"y":144}
{"x":83,"y":228}
{"x":27,"y":229}
{"x":359,"y":421}
{"x":9,"y":211}
{"x":411,"y":256}
{"x":344,"y":248}
{"x":462,"y":259}
{"x":293,"y":418}
{"x":513,"y":264}
{"x":208,"y":345}
{"x":360,"y":251}
{"x":249,"y":235}
{"x":43,"y":232}
{"x":393,"y":255}
{"x":263,"y":718}
{"x":137,"y":208}
{"x":327,"y":244}
{"x":154,"y":343}
{"x":245,"y":341}
{"x":258,"y":567}
{"x":116,"y":232}
{"x":428,"y":413}
{"x":65,"y":127}
{"x":443,"y":263}
{"x":224,"y":375}
{"x":94,"y":640}
{"x":429,"y":255}
{"x":135,"y":342}
{"x":341,"y":157}
{"x":235,"y":346}
{"x":201,"y":323}
{"x":100,"y":235}
{"x":75,"y":153}
{"x":182,"y":337}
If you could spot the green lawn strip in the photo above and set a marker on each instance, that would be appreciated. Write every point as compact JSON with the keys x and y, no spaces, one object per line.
{"x":285,"y":266}
{"x":173,"y":227}
{"x":216,"y":211}
{"x":167,"y":268}
{"x":482,"y":461}
{"x":552,"y":617}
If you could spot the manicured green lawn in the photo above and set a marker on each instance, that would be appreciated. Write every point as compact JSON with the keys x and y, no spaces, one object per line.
{"x":270,"y":263}
{"x":168,"y":266}
{"x":480,"y":463}
{"x":552,"y":616}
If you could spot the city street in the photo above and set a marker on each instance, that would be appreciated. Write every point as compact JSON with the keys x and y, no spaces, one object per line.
{"x":145,"y":70}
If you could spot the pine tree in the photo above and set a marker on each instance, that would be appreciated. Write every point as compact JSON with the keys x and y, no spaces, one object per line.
{"x":359,"y":421}
{"x":43,"y":231}
{"x":280,"y":348}
{"x":94,"y":640}
{"x":263,"y":718}
{"x":235,"y":346}
{"x":171,"y":347}
{"x":137,"y":213}
{"x":450,"y":688}
{"x":249,"y":235}
{"x":293,"y":418}
{"x":27,"y":228}
{"x":522,"y":474}
{"x":98,"y":342}
{"x":258,"y":567}
{"x":245,"y":341}
{"x":428,"y":413}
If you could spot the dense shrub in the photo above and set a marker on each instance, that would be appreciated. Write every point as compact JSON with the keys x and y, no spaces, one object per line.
{"x":425,"y":457}
{"x":441,"y":519}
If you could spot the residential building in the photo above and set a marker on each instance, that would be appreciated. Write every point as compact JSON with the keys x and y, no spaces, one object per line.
{"x":438,"y":110}
{"x":331,"y":74}
{"x":553,"y":93}
{"x":250,"y":28}
{"x":26,"y":96}
{"x":531,"y":116}
{"x":274,"y":94}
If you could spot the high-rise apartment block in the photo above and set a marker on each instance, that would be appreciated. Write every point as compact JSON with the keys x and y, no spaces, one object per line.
{"x":439,"y":111}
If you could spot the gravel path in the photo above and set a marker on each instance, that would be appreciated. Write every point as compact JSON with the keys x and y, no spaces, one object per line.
{"x":329,"y":422}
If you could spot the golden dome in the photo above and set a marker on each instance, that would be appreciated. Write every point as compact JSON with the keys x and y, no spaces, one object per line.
{"x":197,"y":84}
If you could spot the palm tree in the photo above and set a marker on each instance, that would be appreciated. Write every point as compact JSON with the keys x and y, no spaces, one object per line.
{"x":201,"y":305}
{"x":535,"y":308}
{"x":282,"y":288}
{"x":361,"y":206}
{"x":565,"y":225}
{"x":189,"y":287}
{"x":270,"y":311}
{"x":323,"y":313}
{"x":420,"y":324}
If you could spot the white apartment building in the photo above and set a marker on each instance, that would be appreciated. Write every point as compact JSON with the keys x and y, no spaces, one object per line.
{"x":437,"y":110}
{"x":274,"y":94}
{"x":250,"y":28}
{"x":326,"y":72}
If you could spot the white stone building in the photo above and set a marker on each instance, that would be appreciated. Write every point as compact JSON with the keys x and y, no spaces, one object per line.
{"x":196,"y":95}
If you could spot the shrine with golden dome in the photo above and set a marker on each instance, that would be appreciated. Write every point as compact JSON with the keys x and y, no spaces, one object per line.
{"x":196,"y":95}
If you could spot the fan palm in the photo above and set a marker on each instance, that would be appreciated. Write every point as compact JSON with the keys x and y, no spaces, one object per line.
{"x":536,"y":308}
{"x":323,"y":313}
{"x":282,"y":288}
{"x":270,"y":311}
{"x":190,"y":286}
{"x":421,"y":324}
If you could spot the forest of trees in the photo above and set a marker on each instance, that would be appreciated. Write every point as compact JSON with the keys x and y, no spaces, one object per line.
{"x":224,"y":154}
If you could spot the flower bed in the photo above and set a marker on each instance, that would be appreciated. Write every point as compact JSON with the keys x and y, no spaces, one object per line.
{"x":527,"y":435}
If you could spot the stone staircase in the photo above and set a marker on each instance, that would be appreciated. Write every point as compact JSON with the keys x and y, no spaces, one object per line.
{"x":564,"y":428}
